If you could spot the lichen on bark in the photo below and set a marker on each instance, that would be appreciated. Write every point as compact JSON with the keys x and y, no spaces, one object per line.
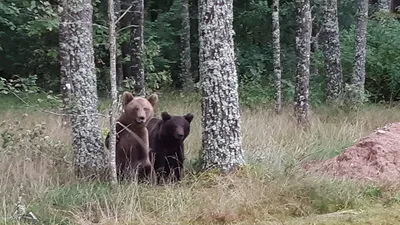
{"x":303,"y":38}
{"x":89,"y":157}
{"x":355,"y":91}
{"x":137,"y":49}
{"x":221,"y":142}
{"x":65,"y":78}
{"x":331,"y":48}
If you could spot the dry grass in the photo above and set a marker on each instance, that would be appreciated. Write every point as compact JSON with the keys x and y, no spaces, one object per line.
{"x":272,"y":189}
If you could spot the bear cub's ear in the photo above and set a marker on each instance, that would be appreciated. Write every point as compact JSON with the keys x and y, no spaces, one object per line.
{"x":126,"y":98}
{"x":165,"y":116}
{"x":189,"y":117}
{"x":153,"y":99}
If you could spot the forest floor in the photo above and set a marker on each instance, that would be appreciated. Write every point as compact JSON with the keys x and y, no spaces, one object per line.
{"x":274,"y":188}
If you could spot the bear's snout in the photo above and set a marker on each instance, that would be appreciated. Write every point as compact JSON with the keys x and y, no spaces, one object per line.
{"x":179,"y":133}
{"x":140,"y":119}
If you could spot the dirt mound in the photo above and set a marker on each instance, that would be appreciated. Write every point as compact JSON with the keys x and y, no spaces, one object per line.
{"x":373,"y":158}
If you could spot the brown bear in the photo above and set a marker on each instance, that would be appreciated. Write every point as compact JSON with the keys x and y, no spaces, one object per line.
{"x":166,"y":140}
{"x":132,"y":148}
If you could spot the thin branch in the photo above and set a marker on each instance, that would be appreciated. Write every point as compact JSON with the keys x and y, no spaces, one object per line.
{"x":316,"y":36}
{"x":126,"y":11}
{"x":124,"y":28}
{"x":134,"y":135}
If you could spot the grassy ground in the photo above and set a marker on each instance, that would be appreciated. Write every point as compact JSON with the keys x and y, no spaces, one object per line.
{"x":272,"y":189}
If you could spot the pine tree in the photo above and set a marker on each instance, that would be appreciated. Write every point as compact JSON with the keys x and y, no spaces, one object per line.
{"x":221,"y":142}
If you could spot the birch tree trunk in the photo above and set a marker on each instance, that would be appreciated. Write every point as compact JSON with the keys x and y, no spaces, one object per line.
{"x":120,"y":71}
{"x":221,"y":142}
{"x":277,"y":55}
{"x":137,"y":69}
{"x":333,"y":67}
{"x":89,"y":157}
{"x":303,"y":38}
{"x":65,"y":78}
{"x":186,"y":63}
{"x":113,"y":81}
{"x":355,"y":92}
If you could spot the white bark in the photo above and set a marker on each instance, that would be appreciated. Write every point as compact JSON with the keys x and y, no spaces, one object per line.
{"x":221,"y":142}
{"x":355,"y":95}
{"x":113,"y":82}
{"x":89,"y":157}
{"x":333,"y":67}
{"x":277,"y":55}
{"x":303,"y":39}
{"x":137,"y":45}
{"x":65,"y":79}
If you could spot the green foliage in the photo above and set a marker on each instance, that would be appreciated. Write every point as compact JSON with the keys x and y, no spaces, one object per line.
{"x":382,"y":62}
{"x":24,"y":89}
{"x":29,"y":48}
{"x":324,"y":201}
{"x":18,"y":85}
{"x":28,"y":40}
{"x":373,"y":192}
{"x":33,"y":144}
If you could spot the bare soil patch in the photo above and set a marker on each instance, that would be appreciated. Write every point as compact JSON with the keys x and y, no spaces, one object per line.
{"x":375,"y":158}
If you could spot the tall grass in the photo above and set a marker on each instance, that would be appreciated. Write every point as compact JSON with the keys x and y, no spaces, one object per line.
{"x":272,"y":189}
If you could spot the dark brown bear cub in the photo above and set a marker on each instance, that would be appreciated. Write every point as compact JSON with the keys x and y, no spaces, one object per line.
{"x":132,"y":147}
{"x":166,"y":140}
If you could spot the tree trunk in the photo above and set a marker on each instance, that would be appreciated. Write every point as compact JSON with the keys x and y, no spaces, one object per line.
{"x":113,"y":81}
{"x":221,"y":142}
{"x":333,"y":67}
{"x":186,"y":63}
{"x":355,"y":92}
{"x":86,"y":134}
{"x":137,"y":69}
{"x":314,"y":45}
{"x":120,"y":71}
{"x":303,"y":38}
{"x":65,"y":79}
{"x":277,"y":55}
{"x":384,"y":5}
{"x":125,"y":48}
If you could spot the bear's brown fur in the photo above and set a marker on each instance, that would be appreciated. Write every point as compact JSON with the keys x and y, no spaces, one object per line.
{"x":132,"y":148}
{"x":166,"y":139}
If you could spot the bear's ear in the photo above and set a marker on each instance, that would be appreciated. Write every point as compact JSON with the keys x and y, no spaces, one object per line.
{"x":126,"y":98}
{"x":165,"y":116}
{"x":153,"y":99}
{"x":188,"y":117}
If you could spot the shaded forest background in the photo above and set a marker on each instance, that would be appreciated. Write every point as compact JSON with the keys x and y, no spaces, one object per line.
{"x":29,"y":48}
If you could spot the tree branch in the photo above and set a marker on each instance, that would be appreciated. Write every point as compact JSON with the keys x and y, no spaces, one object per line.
{"x":123,"y":14}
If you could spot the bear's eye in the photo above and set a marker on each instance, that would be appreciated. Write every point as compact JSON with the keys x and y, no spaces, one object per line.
{"x":146,"y":109}
{"x":136,"y":109}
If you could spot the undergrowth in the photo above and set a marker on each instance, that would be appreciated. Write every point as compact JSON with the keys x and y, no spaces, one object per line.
{"x":271,"y":189}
